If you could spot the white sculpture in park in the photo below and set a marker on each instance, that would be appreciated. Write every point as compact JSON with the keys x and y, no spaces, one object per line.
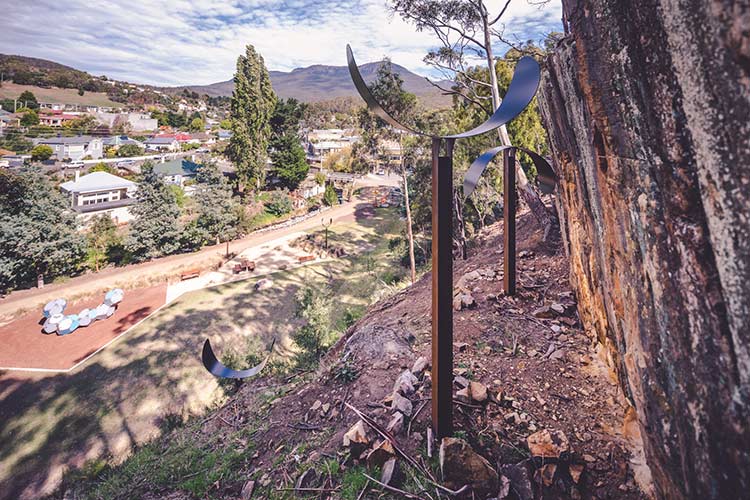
{"x":65,"y":324}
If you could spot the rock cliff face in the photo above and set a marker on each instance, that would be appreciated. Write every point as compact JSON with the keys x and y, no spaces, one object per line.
{"x":647,"y":104}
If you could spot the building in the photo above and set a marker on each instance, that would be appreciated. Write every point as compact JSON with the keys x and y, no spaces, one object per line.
{"x":74,"y":148}
{"x":177,"y":172}
{"x":120,"y":140}
{"x":162,"y":144}
{"x":56,"y":118}
{"x":101,"y":193}
{"x":309,"y":188}
{"x":224,"y":135}
{"x":136,"y":122}
{"x":8,"y":120}
{"x":391,"y":152}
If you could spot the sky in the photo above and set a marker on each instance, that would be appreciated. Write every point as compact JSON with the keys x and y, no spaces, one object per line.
{"x":189,"y":42}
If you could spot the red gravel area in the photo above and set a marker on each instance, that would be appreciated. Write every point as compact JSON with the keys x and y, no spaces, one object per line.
{"x":24,"y":345}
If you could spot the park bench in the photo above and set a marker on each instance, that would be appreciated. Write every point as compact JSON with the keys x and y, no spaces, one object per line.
{"x":190,"y":273}
{"x":305,"y":258}
{"x":243,"y":265}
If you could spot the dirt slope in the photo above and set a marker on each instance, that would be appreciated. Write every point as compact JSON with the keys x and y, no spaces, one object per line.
{"x":541,"y":374}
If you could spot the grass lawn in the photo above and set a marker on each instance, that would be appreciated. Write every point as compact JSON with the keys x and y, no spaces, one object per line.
{"x":11,"y":90}
{"x":126,"y":394}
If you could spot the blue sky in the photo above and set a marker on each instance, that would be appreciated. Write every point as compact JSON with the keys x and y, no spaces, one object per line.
{"x":176,"y":42}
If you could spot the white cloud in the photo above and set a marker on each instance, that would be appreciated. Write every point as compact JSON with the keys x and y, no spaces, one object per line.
{"x":175,"y":42}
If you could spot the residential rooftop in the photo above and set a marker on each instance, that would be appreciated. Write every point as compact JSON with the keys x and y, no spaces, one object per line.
{"x":97,"y":181}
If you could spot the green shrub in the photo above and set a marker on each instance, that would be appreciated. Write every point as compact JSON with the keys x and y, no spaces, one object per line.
{"x":279,"y":203}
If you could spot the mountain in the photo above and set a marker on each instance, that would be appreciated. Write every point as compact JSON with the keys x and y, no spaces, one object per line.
{"x":321,"y":82}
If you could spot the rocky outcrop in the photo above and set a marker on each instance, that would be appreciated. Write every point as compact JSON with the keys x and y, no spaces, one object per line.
{"x":647,"y":105}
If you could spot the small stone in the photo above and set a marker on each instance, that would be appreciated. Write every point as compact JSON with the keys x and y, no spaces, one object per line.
{"x":391,"y":472}
{"x":316,"y":405}
{"x":478,"y":391}
{"x":589,"y":458}
{"x":356,"y":436}
{"x":396,"y":425}
{"x":420,"y":365}
{"x":558,"y":308}
{"x":324,"y":408}
{"x":247,"y":490}
{"x":405,"y":383}
{"x":263,"y":284}
{"x":548,"y":473}
{"x":544,"y":312}
{"x":380,"y":454}
{"x":575,"y":472}
{"x":463,"y":395}
{"x":461,"y":381}
{"x":401,"y":404}
{"x":512,"y":418}
{"x":546,"y":444}
{"x":460,"y":464}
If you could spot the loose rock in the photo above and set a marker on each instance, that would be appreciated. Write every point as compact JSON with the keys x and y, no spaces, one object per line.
{"x":401,"y":404}
{"x":460,"y":465}
{"x":546,"y":444}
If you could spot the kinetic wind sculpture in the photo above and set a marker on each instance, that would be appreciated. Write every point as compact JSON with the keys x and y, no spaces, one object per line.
{"x":64,"y":324}
{"x":521,"y":91}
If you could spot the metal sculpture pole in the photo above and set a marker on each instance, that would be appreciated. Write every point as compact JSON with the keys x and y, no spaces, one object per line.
{"x":509,"y":221}
{"x":442,"y":288}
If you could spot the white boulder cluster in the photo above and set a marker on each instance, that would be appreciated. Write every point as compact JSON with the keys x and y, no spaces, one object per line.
{"x":63,"y":324}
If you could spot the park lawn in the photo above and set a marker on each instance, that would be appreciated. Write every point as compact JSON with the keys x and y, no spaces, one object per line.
{"x":124,"y":395}
{"x":11,"y":90}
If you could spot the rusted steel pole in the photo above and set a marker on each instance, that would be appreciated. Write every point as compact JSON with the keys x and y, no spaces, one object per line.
{"x":442,"y":289}
{"x":509,"y":220}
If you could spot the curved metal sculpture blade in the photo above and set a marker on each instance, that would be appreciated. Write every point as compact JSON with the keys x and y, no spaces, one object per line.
{"x":215,"y":367}
{"x":545,"y":175}
{"x":521,"y":91}
{"x":372,"y":103}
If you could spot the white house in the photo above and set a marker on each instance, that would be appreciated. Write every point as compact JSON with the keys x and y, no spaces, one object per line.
{"x":99,"y":193}
{"x":162,"y":144}
{"x":138,"y":122}
{"x":74,"y":148}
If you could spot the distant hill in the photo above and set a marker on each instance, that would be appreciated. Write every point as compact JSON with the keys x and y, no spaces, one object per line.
{"x":320,"y":82}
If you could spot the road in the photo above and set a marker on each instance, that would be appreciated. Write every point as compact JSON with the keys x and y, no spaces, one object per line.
{"x":158,"y":270}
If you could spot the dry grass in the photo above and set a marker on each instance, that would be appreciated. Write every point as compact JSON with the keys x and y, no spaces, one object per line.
{"x":11,"y":90}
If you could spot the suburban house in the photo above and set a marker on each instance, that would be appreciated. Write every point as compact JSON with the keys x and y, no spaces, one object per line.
{"x":391,"y":152}
{"x":74,"y":148}
{"x":177,"y":172}
{"x":224,"y":135}
{"x":201,"y":138}
{"x":55,"y":119}
{"x":101,"y":192}
{"x":120,"y":140}
{"x":309,"y":188}
{"x":319,"y":151}
{"x":8,"y":120}
{"x":162,"y":144}
{"x":137,"y":122}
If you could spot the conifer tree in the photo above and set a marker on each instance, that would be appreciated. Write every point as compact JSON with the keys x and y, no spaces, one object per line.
{"x":253,"y":103}
{"x":217,"y":210}
{"x":155,"y":230}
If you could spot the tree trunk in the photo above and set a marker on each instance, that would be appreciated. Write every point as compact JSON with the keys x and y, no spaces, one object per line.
{"x":409,"y":232}
{"x":647,"y":105}
{"x":525,"y":189}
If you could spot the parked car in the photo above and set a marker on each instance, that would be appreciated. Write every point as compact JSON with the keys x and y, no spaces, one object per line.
{"x":76,"y":164}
